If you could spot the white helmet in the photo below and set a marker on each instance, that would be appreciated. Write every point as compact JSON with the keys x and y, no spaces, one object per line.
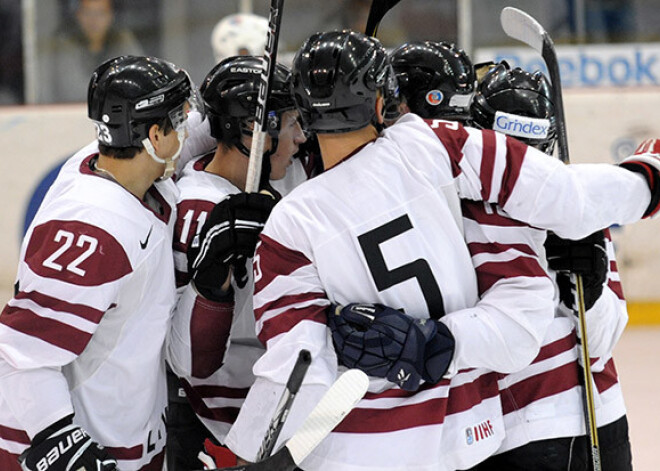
{"x":239,"y":34}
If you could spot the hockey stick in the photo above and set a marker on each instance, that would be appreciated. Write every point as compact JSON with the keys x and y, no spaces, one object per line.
{"x":521,"y":26}
{"x":284,"y":407}
{"x":265,"y":81}
{"x":376,"y":14}
{"x":335,"y":404}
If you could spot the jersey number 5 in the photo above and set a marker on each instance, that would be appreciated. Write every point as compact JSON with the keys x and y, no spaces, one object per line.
{"x":418,"y":269}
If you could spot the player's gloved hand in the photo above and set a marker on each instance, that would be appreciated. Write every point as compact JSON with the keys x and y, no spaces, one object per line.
{"x":228,"y":239}
{"x":63,"y":447}
{"x":586,"y":257}
{"x":386,"y":343}
{"x":646,"y":161}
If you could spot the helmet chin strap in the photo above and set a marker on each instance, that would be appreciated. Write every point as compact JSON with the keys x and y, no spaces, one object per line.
{"x":170,"y":164}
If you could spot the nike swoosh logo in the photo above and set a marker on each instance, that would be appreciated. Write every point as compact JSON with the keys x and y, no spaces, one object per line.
{"x":143,"y":245}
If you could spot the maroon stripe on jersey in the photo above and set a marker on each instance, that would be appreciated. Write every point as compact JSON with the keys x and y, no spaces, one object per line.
{"x":476,"y":211}
{"x":49,"y":330}
{"x":9,"y":461}
{"x":287,"y":320}
{"x":487,"y":162}
{"x":616,"y":288}
{"x":210,"y":324}
{"x":453,"y":137}
{"x":495,"y":247}
{"x":209,"y":391}
{"x":607,"y":378}
{"x":515,"y":154}
{"x":430,"y":412}
{"x":77,"y":253}
{"x":285,"y":301}
{"x":221,"y":414}
{"x":539,"y":386}
{"x":201,"y":163}
{"x":14,"y":435}
{"x":490,"y":273}
{"x":123,"y":453}
{"x":274,"y":259}
{"x":156,"y":464}
{"x":189,"y":215}
{"x":80,"y":310}
{"x":557,"y":347}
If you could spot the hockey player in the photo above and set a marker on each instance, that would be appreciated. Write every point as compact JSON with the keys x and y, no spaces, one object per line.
{"x":380,"y":226}
{"x":215,"y":346}
{"x":543,"y":408}
{"x":507,"y":98}
{"x":82,"y":374}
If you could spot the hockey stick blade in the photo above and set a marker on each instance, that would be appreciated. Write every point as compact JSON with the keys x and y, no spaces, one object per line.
{"x":335,"y":404}
{"x":376,"y":13}
{"x":521,"y":26}
{"x":284,"y":407}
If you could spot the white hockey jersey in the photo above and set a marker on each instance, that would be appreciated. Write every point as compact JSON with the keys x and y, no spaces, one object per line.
{"x":544,"y":400}
{"x":85,"y":330}
{"x":213,"y":346}
{"x":384,"y":226}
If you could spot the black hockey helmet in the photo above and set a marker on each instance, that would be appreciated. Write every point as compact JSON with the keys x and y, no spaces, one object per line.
{"x":336,"y":79}
{"x":127,"y":94}
{"x":436,"y":79}
{"x":518,"y":103}
{"x":230,"y":92}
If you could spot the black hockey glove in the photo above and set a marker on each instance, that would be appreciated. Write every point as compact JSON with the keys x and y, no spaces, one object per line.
{"x":646,"y":161}
{"x":228,"y":239}
{"x":63,"y":447}
{"x":386,"y":343}
{"x":586,"y":257}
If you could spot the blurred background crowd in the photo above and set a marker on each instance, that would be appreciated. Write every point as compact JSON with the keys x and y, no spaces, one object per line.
{"x":48,"y":48}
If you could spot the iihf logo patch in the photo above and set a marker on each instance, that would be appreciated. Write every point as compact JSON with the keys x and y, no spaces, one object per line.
{"x":469,"y":438}
{"x":434,"y":97}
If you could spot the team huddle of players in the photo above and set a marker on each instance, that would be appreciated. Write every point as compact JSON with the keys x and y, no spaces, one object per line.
{"x":412,"y":223}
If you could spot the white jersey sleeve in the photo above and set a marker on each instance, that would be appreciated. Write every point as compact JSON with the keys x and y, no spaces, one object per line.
{"x":571,"y":200}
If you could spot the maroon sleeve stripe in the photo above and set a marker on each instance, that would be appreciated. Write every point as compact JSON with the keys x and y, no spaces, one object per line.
{"x":452,"y":139}
{"x":487,"y":162}
{"x":14,"y":435}
{"x":539,"y":386}
{"x":557,"y":347}
{"x":276,"y":260}
{"x":9,"y":461}
{"x":490,"y":273}
{"x":285,"y":321}
{"x":475,"y":211}
{"x":616,"y":288}
{"x":607,"y":378}
{"x":284,"y":301}
{"x":222,"y":414}
{"x":210,"y":391}
{"x":496,"y":248}
{"x":431,"y":412}
{"x":80,"y":310}
{"x":210,"y":324}
{"x":124,"y":453}
{"x":515,"y":154}
{"x":49,"y":330}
